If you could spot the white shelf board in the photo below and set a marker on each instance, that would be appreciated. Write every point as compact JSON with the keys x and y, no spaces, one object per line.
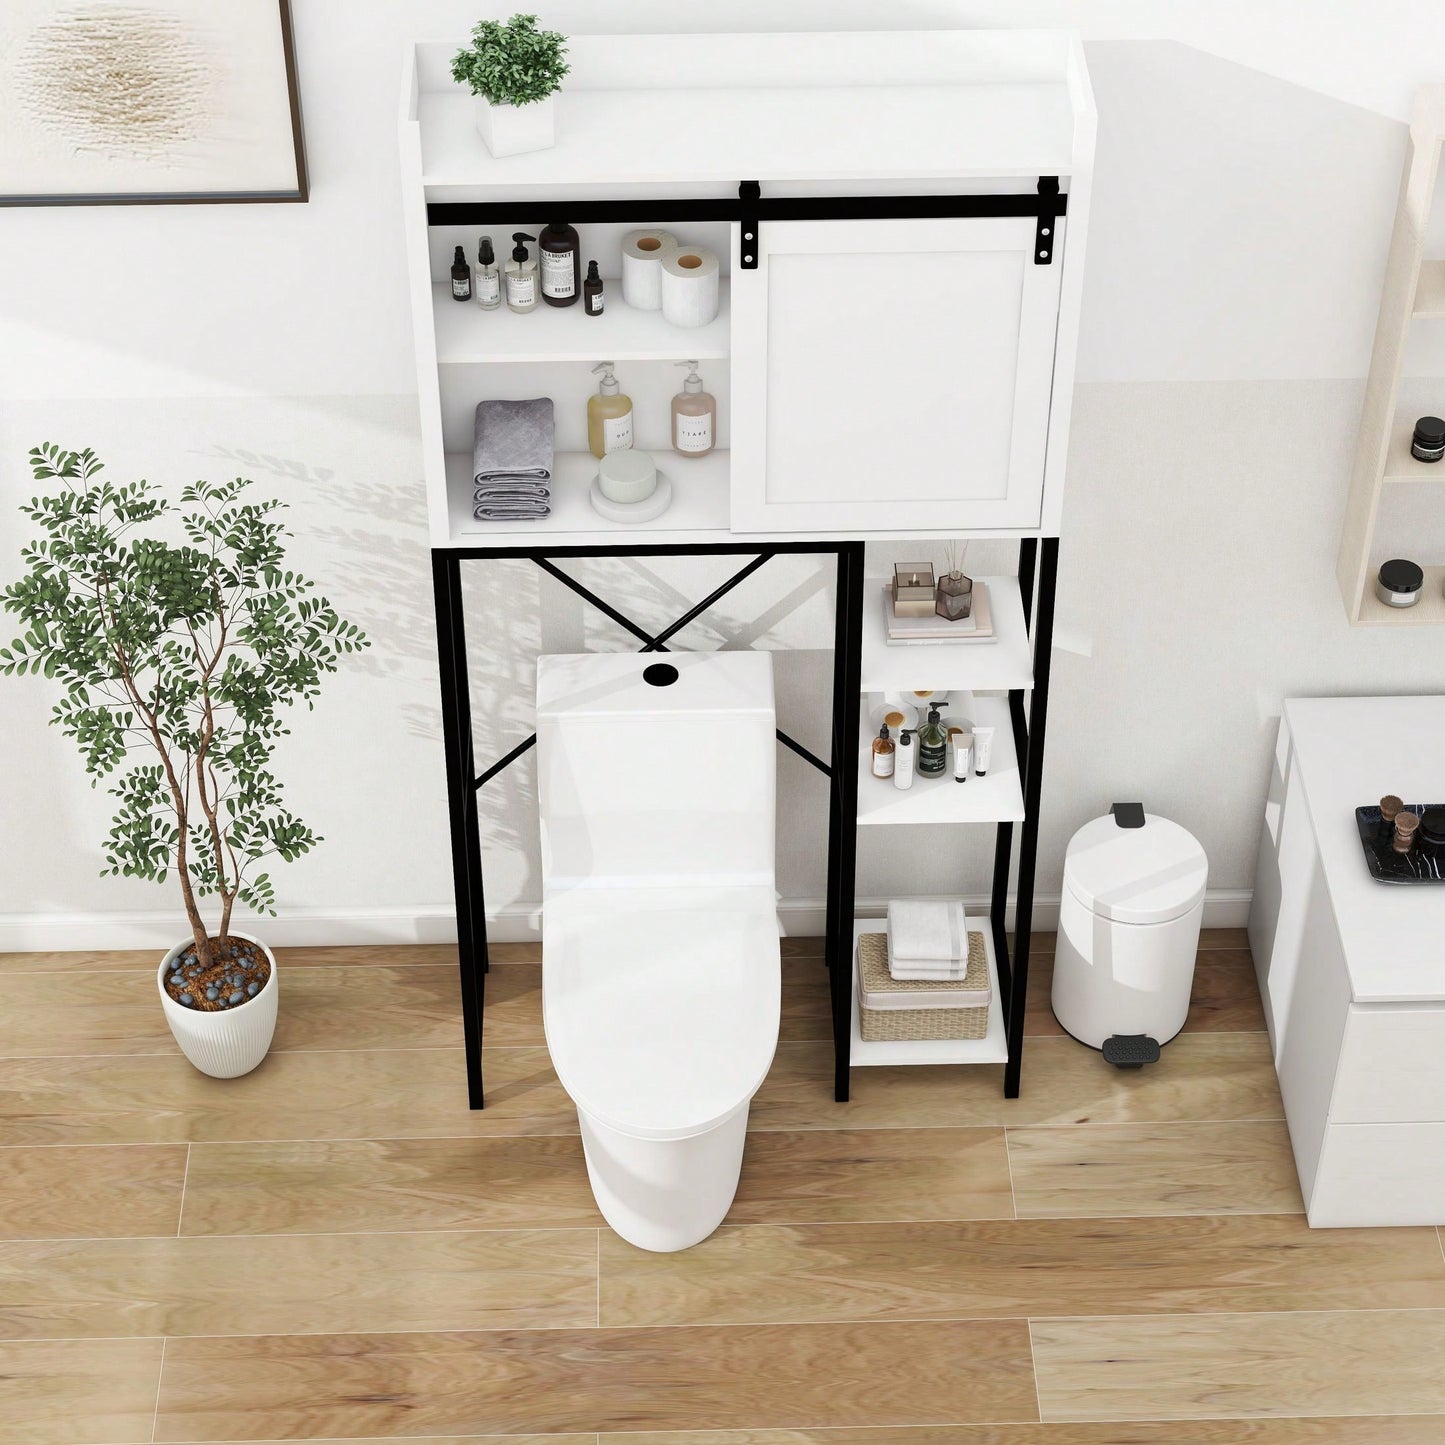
{"x":1400,"y":466}
{"x":834,"y":133}
{"x":1430,"y":609}
{"x":699,"y":505}
{"x":991,"y":1049}
{"x":466,"y":333}
{"x":997,"y":666}
{"x":996,"y":798}
{"x":1430,"y":290}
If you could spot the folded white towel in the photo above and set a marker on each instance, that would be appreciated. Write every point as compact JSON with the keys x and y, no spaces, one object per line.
{"x":919,"y":930}
{"x":912,"y":968}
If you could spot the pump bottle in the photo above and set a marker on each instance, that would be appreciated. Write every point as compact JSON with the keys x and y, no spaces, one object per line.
{"x":461,"y":276}
{"x":694,"y":416}
{"x":521,"y":276}
{"x":609,"y":415}
{"x":486,"y":279}
{"x":560,"y":251}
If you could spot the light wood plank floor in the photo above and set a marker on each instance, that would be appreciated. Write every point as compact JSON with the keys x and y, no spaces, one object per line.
{"x":336,"y":1249}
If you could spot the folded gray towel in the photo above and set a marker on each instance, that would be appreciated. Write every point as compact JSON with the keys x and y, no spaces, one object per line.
{"x":513,"y":442}
{"x":511,"y":501}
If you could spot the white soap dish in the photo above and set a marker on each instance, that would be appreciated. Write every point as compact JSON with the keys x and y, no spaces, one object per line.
{"x":630,"y":513}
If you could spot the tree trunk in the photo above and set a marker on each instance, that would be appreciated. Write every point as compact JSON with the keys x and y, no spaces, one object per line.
{"x":193,"y":912}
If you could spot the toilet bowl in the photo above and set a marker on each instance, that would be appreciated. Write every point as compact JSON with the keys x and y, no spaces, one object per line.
{"x":661,"y":982}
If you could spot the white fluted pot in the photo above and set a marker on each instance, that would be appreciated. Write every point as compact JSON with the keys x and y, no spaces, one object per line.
{"x":232,"y":1041}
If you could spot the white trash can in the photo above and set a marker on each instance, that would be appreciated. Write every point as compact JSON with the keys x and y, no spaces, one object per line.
{"x":1128,"y":933}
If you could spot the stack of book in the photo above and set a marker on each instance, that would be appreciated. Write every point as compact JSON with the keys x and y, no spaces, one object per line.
{"x":916,"y":631}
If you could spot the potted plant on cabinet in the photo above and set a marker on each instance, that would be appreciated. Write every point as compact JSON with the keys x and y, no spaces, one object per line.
{"x":180,"y":641}
{"x":513,"y":70}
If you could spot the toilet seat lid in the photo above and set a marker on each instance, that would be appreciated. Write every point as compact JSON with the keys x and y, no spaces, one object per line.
{"x":661,"y":1005}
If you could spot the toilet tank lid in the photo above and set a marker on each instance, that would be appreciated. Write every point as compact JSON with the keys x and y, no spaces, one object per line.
{"x":619,"y":684}
{"x":1136,"y":875}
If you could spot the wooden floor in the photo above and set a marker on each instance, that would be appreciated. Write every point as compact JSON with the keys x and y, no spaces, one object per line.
{"x":334,"y":1248}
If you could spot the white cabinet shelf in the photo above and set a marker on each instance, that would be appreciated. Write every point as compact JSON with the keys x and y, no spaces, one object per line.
{"x":996,"y":798}
{"x":466,"y":333}
{"x":699,"y":505}
{"x":708,"y":110}
{"x":991,"y":1049}
{"x":997,"y":666}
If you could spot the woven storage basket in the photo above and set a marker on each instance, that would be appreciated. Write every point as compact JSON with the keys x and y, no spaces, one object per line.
{"x":909,"y":1024}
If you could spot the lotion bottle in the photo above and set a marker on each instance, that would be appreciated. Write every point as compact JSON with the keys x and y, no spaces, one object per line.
{"x":903,"y":760}
{"x":694,"y":416}
{"x":486,"y":279}
{"x":609,"y":415}
{"x":521,"y":276}
{"x":560,"y":250}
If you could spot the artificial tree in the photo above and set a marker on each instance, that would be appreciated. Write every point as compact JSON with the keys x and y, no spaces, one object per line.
{"x":512,"y":63}
{"x":187,"y":652}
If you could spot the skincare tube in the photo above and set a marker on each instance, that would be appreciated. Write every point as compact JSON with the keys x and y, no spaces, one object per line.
{"x":982,"y":749}
{"x":962,"y":754}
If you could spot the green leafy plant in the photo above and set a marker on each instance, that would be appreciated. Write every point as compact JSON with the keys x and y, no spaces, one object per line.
{"x":512,"y":64}
{"x":187,"y":654}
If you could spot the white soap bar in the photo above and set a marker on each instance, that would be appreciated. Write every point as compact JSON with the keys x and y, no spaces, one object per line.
{"x":627,"y":476}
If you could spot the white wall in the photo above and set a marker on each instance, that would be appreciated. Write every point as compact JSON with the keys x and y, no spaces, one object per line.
{"x":1248,"y":161}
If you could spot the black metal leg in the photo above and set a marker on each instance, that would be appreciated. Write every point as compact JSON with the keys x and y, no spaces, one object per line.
{"x":462,"y":807}
{"x":843,"y":803}
{"x":998,"y":910}
{"x":1043,"y":632}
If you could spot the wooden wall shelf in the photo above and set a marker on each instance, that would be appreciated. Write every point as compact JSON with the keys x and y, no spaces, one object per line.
{"x":1414,"y":290}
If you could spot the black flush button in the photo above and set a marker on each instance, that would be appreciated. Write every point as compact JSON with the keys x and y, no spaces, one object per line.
{"x":660,"y":674}
{"x":1128,"y":815}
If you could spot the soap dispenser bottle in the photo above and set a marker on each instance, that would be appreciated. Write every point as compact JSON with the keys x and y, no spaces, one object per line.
{"x":521,"y":276}
{"x":932,"y":757}
{"x":694,"y":416}
{"x":609,"y":415}
{"x":561,"y":253}
{"x":486,"y":279}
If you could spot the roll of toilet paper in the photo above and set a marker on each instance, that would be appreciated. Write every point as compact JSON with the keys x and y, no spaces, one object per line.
{"x":689,"y":286}
{"x":642,"y":253}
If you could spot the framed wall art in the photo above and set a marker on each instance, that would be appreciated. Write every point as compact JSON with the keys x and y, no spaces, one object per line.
{"x":113,"y":102}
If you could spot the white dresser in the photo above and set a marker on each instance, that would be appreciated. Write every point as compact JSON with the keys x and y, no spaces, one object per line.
{"x":1353,"y":971}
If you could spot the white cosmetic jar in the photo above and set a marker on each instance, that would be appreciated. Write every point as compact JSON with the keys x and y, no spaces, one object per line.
{"x":627,"y":476}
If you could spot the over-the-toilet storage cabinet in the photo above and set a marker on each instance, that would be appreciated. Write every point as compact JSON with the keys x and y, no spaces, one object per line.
{"x":900,"y":220}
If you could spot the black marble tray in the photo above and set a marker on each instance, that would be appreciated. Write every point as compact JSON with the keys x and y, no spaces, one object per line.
{"x":1421,"y":865}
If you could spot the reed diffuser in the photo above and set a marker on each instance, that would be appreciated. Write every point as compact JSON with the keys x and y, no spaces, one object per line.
{"x":953,"y":597}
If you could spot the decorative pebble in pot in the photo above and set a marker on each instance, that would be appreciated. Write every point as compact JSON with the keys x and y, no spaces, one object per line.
{"x":223,"y":1013}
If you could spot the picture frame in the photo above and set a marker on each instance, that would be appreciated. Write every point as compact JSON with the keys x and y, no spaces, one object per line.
{"x":165,"y":102}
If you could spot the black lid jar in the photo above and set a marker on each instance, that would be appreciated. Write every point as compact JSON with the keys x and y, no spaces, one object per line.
{"x":1399,"y":582}
{"x":1432,"y":827}
{"x":1428,"y":442}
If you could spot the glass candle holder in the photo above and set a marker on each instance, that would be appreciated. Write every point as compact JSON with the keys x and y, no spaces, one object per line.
{"x":954,"y":596}
{"x":912,"y":581}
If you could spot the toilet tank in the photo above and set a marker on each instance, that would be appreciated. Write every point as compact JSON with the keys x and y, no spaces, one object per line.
{"x":655,"y":768}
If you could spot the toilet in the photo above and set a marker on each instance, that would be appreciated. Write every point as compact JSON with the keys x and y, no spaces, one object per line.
{"x":661,"y":979}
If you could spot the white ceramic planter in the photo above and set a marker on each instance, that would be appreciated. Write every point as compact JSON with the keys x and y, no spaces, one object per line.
{"x":512,"y":130}
{"x":233,"y":1041}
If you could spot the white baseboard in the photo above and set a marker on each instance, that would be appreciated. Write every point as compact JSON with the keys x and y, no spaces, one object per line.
{"x":436,"y":923}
